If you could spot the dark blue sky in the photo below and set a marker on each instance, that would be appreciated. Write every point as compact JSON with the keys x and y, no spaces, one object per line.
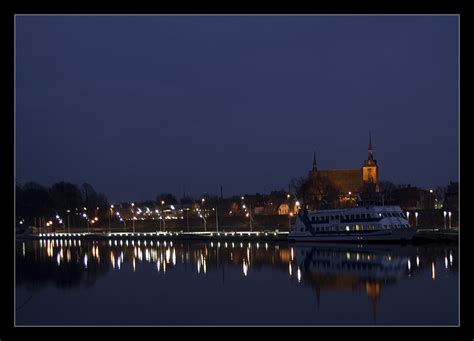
{"x":148,"y":104}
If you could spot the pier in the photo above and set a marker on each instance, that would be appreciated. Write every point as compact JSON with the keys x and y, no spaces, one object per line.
{"x":425,"y":235}
{"x":237,"y":235}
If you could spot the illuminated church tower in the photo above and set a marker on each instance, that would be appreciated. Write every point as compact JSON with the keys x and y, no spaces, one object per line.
{"x":370,"y":169}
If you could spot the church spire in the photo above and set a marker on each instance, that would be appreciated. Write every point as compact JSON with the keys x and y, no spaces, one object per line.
{"x":314,"y":161}
{"x":371,"y":152}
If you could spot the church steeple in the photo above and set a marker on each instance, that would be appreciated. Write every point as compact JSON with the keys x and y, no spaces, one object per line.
{"x":370,"y":168}
{"x":314,"y":170}
{"x":371,"y":152}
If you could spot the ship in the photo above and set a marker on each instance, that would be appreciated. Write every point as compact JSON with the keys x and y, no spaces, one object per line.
{"x":364,"y":223}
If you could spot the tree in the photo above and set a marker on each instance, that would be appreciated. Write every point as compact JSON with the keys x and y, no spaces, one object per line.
{"x":34,"y":200}
{"x":168,"y":198}
{"x":387,"y":187}
{"x":65,"y":196}
{"x":317,"y":192}
{"x":210,"y":200}
{"x":91,"y":199}
{"x":323,"y":193}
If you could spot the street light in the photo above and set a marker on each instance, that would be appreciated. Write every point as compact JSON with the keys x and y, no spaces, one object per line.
{"x":133,"y":216}
{"x":68,"y":225}
{"x":187,"y":218}
{"x":416,"y":218}
{"x":289,"y":216}
{"x":408,"y":217}
{"x":110,"y":216}
{"x":444,"y":214}
{"x":449,"y":213}
{"x":431,"y":198}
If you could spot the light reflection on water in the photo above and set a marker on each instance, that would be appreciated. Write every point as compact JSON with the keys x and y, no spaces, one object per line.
{"x":339,"y":270}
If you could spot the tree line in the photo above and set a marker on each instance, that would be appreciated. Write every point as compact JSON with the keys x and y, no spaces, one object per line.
{"x":34,"y":201}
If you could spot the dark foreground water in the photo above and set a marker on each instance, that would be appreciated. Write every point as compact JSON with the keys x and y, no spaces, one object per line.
{"x":179,"y":283}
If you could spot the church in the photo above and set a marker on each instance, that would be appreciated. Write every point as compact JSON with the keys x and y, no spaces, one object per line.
{"x":349,"y":181}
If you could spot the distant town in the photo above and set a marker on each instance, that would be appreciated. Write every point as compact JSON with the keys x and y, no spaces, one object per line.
{"x":66,"y":205}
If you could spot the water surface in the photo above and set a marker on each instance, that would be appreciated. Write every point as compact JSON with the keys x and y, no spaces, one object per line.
{"x":203,"y":283}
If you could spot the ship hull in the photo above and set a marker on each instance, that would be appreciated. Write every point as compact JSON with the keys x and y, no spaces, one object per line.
{"x":386,"y":235}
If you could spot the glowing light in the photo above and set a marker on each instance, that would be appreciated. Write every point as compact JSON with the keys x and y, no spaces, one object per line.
{"x":433,"y":272}
{"x":290,"y":270}
{"x":299,"y":274}
{"x":85,"y":260}
{"x":134,"y":265}
{"x":417,"y":261}
{"x":409,"y":265}
{"x":58,"y":259}
{"x":450,"y":258}
{"x":446,"y":262}
{"x":266,"y":246}
{"x":245,"y":268}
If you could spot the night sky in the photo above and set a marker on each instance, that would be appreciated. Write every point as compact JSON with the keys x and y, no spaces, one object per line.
{"x":141,"y":105}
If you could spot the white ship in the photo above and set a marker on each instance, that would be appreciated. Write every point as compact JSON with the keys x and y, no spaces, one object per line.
{"x":358,"y":224}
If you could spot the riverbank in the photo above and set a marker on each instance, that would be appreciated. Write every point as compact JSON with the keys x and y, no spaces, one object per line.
{"x":422,"y":236}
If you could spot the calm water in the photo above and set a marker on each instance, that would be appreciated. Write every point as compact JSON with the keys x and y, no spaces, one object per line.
{"x":179,"y":283}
